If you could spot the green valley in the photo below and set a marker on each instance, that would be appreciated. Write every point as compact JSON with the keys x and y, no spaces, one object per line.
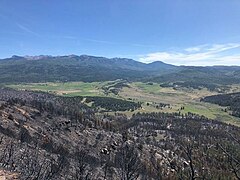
{"x":151,"y":96}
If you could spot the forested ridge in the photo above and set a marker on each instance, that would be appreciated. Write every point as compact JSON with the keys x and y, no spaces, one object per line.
{"x":230,"y":101}
{"x":75,"y":68}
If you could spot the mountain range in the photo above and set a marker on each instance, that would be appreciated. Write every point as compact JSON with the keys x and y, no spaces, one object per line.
{"x":24,"y":69}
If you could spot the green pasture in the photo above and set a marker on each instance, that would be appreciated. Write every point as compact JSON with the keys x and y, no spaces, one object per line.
{"x":149,"y":94}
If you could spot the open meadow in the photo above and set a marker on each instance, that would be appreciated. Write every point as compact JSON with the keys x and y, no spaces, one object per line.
{"x":152,"y":96}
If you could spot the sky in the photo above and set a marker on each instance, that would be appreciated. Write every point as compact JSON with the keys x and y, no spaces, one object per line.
{"x":180,"y":32}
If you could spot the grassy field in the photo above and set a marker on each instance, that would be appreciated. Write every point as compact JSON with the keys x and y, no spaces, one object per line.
{"x":149,"y":94}
{"x":65,"y":89}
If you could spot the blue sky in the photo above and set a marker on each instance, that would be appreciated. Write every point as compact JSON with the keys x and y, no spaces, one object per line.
{"x":182,"y":32}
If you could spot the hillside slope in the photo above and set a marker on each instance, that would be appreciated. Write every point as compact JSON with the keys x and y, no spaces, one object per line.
{"x":48,"y":137}
{"x":231,"y":101}
{"x":76,"y":68}
{"x":214,"y":78}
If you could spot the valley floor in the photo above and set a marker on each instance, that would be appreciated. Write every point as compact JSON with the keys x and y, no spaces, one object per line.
{"x":152,"y":96}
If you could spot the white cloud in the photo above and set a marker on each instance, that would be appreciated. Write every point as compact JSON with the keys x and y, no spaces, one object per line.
{"x":223,"y":47}
{"x":195,"y":48}
{"x":202,"y":55}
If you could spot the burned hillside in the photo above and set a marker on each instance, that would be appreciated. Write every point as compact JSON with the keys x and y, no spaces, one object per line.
{"x":43,"y":136}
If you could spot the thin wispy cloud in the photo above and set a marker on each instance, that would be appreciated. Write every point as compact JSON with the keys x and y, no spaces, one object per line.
{"x":196,"y":48}
{"x":69,"y":37}
{"x":27,"y":30}
{"x":144,"y":45}
{"x":99,"y":41}
{"x":117,"y":43}
{"x":203,"y":55}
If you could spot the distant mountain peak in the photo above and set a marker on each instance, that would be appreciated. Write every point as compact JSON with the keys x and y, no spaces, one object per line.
{"x":157,"y":62}
{"x":37,"y":57}
{"x":73,"y":56}
{"x":16,"y":57}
